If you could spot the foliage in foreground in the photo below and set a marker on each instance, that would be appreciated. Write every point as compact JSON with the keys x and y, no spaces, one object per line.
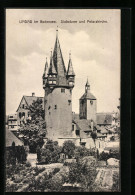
{"x":83,"y":172}
{"x":34,"y":130}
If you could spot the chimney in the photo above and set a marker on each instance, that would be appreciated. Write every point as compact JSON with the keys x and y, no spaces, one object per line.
{"x":33,"y":94}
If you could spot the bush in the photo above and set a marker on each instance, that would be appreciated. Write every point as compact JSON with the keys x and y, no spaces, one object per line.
{"x":83,"y":172}
{"x":68,"y":148}
{"x":28,"y":164}
{"x":49,"y":154}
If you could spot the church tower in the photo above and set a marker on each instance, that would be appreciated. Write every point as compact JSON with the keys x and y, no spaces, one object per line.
{"x":88,"y":104}
{"x":58,"y":84}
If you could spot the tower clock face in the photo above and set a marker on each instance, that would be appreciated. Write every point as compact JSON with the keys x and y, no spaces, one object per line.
{"x":91,"y":102}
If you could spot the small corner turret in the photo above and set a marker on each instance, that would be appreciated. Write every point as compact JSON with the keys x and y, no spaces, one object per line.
{"x":70,"y":73}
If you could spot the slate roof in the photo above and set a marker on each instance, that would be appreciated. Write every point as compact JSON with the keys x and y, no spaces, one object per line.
{"x":59,"y":63}
{"x":10,"y":138}
{"x":104,"y":118}
{"x":70,"y":71}
{"x":88,"y":96}
{"x":29,"y":100}
{"x":46,"y":69}
{"x":52,"y":69}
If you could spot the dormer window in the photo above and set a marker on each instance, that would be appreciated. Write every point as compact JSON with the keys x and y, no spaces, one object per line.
{"x":23,"y":106}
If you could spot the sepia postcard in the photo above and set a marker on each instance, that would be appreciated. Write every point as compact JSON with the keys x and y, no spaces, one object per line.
{"x":63,"y":101}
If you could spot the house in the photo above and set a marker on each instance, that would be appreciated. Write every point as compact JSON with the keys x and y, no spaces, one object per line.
{"x":23,"y":111}
{"x":12,"y":122}
{"x":104,"y":119}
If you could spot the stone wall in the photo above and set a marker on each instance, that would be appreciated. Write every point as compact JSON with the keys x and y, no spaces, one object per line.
{"x":58,"y":113}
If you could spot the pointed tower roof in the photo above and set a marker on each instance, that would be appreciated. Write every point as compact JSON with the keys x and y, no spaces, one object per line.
{"x":70,"y":71}
{"x":46,"y":69}
{"x":52,"y":69}
{"x":88,"y":94}
{"x":59,"y":62}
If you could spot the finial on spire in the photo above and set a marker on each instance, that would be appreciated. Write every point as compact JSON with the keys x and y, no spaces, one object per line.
{"x":57,"y":32}
{"x":70,"y":54}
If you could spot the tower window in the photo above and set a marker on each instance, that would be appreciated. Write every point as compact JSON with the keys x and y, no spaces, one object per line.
{"x":23,"y":106}
{"x":49,"y":107}
{"x":62,"y":90}
{"x":91,"y":102}
{"x":72,"y":127}
{"x":69,"y":102}
{"x":77,"y":132}
{"x":50,"y":82}
{"x":49,"y":113}
{"x":55,"y":107}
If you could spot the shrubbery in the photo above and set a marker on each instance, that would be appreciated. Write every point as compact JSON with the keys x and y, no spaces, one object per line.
{"x":16,"y":154}
{"x":50,"y":153}
{"x":112,"y":154}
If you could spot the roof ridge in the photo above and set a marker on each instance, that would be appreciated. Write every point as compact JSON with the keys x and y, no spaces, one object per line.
{"x":32,"y":96}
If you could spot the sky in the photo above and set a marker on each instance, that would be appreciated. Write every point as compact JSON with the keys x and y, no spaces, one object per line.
{"x":94,"y":47}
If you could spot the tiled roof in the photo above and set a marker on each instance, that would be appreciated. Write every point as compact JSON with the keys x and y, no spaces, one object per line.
{"x":103,"y":130}
{"x":88,"y":96}
{"x":29,"y":100}
{"x":83,"y":124}
{"x":104,"y":118}
{"x":10,"y":138}
{"x":100,"y":135}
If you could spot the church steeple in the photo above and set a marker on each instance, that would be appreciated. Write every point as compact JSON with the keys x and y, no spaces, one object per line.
{"x":87,"y":87}
{"x":59,"y":62}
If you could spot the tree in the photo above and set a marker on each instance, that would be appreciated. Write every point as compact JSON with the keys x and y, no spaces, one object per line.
{"x":81,"y":151}
{"x":36,"y":109}
{"x":50,"y":153}
{"x":94,"y":135}
{"x":68,"y":148}
{"x":83,"y":172}
{"x":35,"y":130}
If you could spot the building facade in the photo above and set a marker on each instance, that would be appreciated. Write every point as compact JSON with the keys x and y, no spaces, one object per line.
{"x":58,"y":85}
{"x":23,"y":111}
{"x":12,"y":122}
